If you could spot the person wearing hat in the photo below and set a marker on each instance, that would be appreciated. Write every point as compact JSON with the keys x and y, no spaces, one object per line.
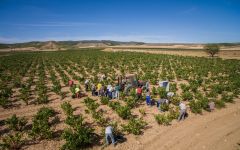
{"x":77,"y":91}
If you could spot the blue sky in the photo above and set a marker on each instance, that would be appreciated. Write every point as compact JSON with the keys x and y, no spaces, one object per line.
{"x":191,"y":21}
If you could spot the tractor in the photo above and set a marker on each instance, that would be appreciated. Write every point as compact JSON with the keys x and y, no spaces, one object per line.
{"x":129,"y":81}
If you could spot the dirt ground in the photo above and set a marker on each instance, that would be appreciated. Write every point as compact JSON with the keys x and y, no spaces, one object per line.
{"x":226,"y":54}
{"x":218,"y":130}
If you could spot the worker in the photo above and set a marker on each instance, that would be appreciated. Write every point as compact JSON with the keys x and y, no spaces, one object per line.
{"x":113,"y":92}
{"x":102,"y":77}
{"x":148,"y":98}
{"x":117,"y":89}
{"x":86,"y":84}
{"x":147,"y":85}
{"x":93,"y":88}
{"x":109,"y":134}
{"x":99,"y":86}
{"x":183,"y":109}
{"x":70,"y":83}
{"x":102,"y":91}
{"x":211,"y":106}
{"x":160,"y":102}
{"x":77,"y":91}
{"x":109,"y":91}
{"x":139,"y":92}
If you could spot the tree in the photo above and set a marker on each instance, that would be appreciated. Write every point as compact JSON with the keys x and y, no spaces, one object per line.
{"x":211,"y":49}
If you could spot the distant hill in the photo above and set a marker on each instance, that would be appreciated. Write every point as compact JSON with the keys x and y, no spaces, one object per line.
{"x":67,"y":44}
{"x":63,"y":45}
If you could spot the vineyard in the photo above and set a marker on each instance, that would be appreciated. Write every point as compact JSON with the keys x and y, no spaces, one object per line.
{"x":37,"y":104}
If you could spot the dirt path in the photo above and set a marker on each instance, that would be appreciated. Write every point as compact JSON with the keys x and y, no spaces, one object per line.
{"x":219,"y":130}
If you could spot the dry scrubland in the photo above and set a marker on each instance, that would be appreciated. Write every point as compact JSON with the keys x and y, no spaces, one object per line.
{"x":40,"y":79}
{"x":226,"y":52}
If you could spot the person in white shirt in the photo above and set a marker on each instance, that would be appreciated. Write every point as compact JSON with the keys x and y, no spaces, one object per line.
{"x":102,"y":77}
{"x":183,"y":109}
{"x":109,"y":91}
{"x":211,"y":106}
{"x":109,"y":133}
{"x":86,"y":84}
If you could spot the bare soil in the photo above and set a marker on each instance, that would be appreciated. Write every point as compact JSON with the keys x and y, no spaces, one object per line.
{"x":225,"y":54}
{"x":215,"y":130}
{"x":218,"y":130}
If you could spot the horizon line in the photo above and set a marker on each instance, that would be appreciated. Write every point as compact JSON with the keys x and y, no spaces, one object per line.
{"x":31,"y":41}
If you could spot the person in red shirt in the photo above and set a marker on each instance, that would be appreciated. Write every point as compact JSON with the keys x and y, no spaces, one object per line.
{"x":139,"y":92}
{"x":70,"y":83}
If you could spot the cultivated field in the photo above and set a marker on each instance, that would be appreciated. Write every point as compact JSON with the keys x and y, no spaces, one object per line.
{"x":32,"y":80}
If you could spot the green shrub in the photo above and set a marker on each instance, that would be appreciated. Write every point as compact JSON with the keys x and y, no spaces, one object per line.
{"x":98,"y":116}
{"x":124,"y":112}
{"x":134,"y":126}
{"x":16,"y":123}
{"x":17,"y":82}
{"x":212,"y":94}
{"x":114,"y":105}
{"x":162,"y":92}
{"x":163,"y":119}
{"x":204,"y":103}
{"x":187,"y":96}
{"x":173,"y":113}
{"x":217,"y":88}
{"x":4,"y":102}
{"x":164,"y":107}
{"x":173,"y":87}
{"x":77,"y":139}
{"x":42,"y":99}
{"x":131,"y":103}
{"x":219,"y":104}
{"x":5,"y":92}
{"x":184,"y":87}
{"x":195,"y":106}
{"x":67,"y":108}
{"x":198,"y":95}
{"x":133,"y":93}
{"x":25,"y":93}
{"x":122,"y":95}
{"x":175,"y":100}
{"x":154,"y":91}
{"x":227,"y":98}
{"x":56,"y":88}
{"x":78,"y":135}
{"x":41,"y":125}
{"x":12,"y":141}
{"x":91,"y":104}
{"x":104,"y":100}
{"x":142,"y":111}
